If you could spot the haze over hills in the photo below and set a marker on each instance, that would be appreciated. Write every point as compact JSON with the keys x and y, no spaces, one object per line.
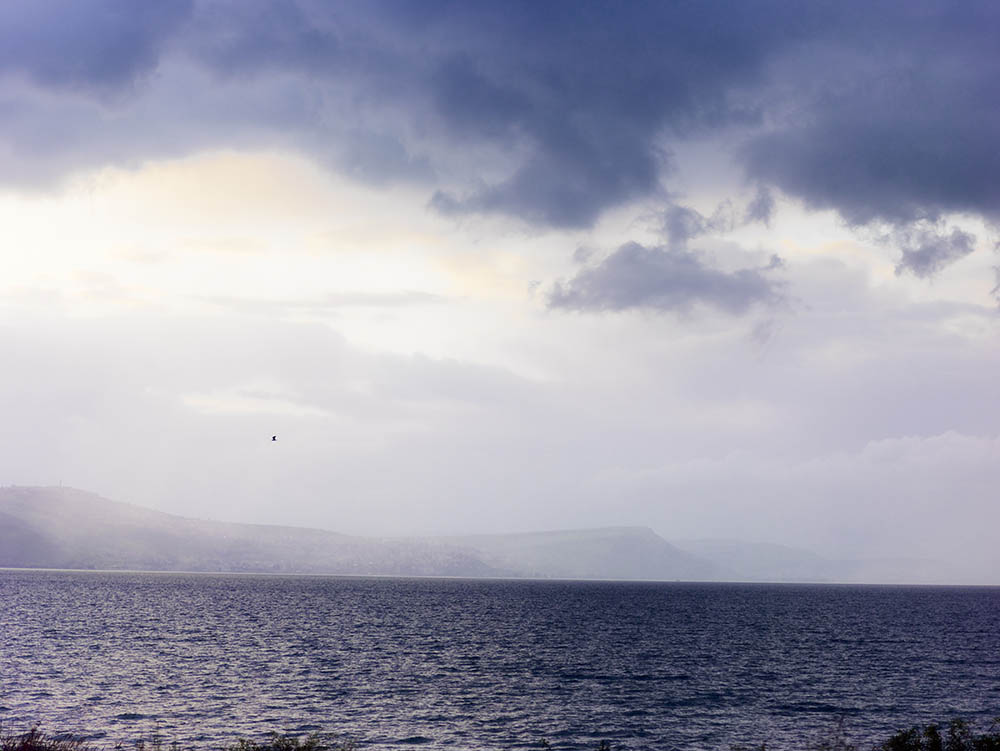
{"x":67,"y":528}
{"x":767,"y":562}
{"x":59,"y":527}
{"x":607,"y":553}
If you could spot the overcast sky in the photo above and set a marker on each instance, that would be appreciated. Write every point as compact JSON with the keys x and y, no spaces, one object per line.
{"x":722,"y":269}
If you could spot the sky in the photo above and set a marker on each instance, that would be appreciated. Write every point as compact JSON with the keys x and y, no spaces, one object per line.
{"x":726,"y":270}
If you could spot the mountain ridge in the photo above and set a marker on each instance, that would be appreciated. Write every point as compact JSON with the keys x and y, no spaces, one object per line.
{"x":70,"y":528}
{"x":57,"y":527}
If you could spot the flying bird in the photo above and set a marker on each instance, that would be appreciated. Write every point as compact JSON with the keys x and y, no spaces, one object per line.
{"x":274,"y":438}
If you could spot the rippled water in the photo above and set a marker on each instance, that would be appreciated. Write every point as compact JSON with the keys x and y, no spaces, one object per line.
{"x":488,"y":664}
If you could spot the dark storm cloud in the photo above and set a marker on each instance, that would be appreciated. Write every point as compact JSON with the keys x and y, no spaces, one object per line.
{"x":894,"y":121}
{"x":871,"y":160}
{"x":239,"y":37}
{"x":926,"y":251}
{"x":91,"y":44}
{"x":587,"y":91}
{"x":664,"y":279}
{"x":581,"y":92}
{"x":881,"y":111}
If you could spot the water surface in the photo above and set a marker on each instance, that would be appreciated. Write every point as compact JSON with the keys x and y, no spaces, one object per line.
{"x":464,"y":664}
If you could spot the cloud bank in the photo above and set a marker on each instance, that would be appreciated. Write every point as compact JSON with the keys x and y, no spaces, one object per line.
{"x":926,"y":252}
{"x":665,"y":279}
{"x":549,"y":113}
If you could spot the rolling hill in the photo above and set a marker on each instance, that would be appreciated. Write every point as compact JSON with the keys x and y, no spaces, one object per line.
{"x":66,"y":528}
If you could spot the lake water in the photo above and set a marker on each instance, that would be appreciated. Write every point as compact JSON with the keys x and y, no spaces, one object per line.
{"x":460,"y":664}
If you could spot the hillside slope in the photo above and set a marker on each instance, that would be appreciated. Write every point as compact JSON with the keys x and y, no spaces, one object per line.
{"x":67,"y":528}
{"x":606,"y":553}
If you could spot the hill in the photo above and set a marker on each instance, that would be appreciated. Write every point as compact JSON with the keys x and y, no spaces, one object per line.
{"x":67,"y":528}
{"x":606,"y":553}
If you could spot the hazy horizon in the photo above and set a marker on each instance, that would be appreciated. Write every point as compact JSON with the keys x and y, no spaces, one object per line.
{"x":61,"y":528}
{"x":720,"y":270}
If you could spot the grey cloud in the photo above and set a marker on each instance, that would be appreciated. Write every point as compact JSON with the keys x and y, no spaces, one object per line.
{"x":925,"y":251}
{"x":682,"y":223}
{"x":566,"y":189}
{"x":238,"y":37}
{"x":472,"y":103}
{"x":764,"y":331}
{"x":378,"y":157}
{"x":761,"y":206}
{"x":47,"y":136}
{"x":664,"y":279}
{"x":97,"y":45}
{"x":585,"y":106}
{"x":879,"y":111}
{"x":582,"y":108}
{"x":893,"y":121}
{"x":890,"y":166}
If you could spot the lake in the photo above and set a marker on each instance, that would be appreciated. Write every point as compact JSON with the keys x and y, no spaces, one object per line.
{"x":474,"y":664}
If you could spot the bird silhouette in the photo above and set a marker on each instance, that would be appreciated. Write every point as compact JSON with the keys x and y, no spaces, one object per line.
{"x":274,"y":438}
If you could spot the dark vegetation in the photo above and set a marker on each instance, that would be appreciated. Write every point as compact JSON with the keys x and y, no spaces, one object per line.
{"x":958,"y":735}
{"x":36,"y":740}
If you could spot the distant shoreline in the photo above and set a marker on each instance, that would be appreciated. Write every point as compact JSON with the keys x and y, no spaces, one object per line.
{"x":68,"y":529}
{"x":537,"y":579}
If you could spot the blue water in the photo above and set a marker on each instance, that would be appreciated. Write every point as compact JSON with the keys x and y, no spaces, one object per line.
{"x":460,"y":664}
